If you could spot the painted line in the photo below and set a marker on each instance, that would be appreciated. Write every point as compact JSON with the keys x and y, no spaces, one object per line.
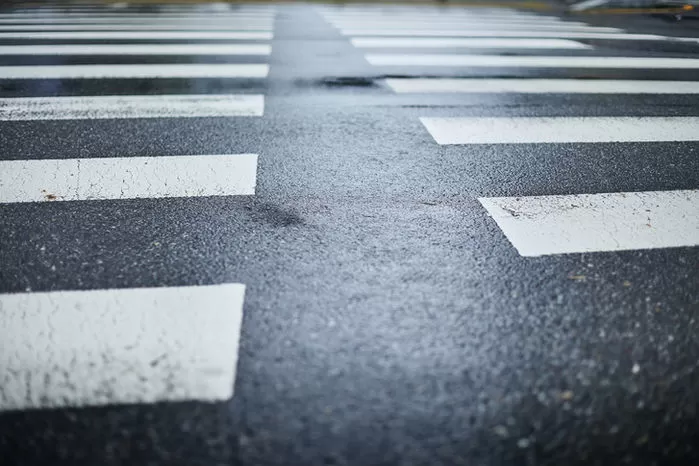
{"x":509,"y":33}
{"x":542,"y":86}
{"x":544,"y":225}
{"x":136,"y":16}
{"x":477,"y":26}
{"x":424,"y":42}
{"x":126,"y":14}
{"x":137,"y":49}
{"x":587,"y":4}
{"x":134,"y":106}
{"x":135,"y":71}
{"x":532,"y":61}
{"x":203,"y":25}
{"x":117,"y":346}
{"x":107,"y":178}
{"x":526,"y":130}
{"x":135,"y":19}
{"x":138,"y":27}
{"x":431,"y":14}
{"x":423,"y":24}
{"x":453,"y":21}
{"x":141,"y":35}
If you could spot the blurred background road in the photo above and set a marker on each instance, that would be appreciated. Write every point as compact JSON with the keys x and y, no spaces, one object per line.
{"x":349,"y":234}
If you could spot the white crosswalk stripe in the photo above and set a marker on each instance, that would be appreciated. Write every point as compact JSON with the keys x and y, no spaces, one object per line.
{"x":215,"y":70}
{"x":507,"y":32}
{"x":138,"y":35}
{"x":98,"y":347}
{"x":476,"y":43}
{"x":134,"y":106}
{"x":544,"y":225}
{"x":539,"y":225}
{"x":531,"y":61}
{"x":528,"y":130}
{"x":137,"y":49}
{"x":127,"y":178}
{"x":261,"y":27}
{"x":129,"y":345}
{"x":541,"y":86}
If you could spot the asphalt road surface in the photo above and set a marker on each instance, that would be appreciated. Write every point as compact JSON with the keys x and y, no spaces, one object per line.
{"x":323,"y":235}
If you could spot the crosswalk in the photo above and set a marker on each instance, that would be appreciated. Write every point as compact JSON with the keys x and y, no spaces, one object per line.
{"x":405,"y":45}
{"x":174,"y":343}
{"x":166,"y":343}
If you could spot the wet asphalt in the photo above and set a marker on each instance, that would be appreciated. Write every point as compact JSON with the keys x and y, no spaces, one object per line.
{"x":387,"y":319}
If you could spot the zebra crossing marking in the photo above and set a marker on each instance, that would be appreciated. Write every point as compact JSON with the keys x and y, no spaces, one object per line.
{"x":140,"y":35}
{"x":553,"y":29}
{"x":510,"y":33}
{"x":541,"y":86}
{"x":107,"y":178}
{"x":579,"y":223}
{"x":137,"y":27}
{"x":536,"y":61}
{"x":116,"y":346}
{"x":528,"y":130}
{"x":136,"y":20}
{"x":149,"y":71}
{"x":421,"y":42}
{"x":465,"y":22}
{"x":131,"y":106}
{"x":137,"y":49}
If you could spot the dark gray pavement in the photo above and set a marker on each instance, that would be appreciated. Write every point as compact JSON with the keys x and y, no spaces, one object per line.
{"x":387,"y":319}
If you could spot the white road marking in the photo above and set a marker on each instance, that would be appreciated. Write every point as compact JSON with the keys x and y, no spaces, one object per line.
{"x":425,"y":42}
{"x":135,"y":18}
{"x":543,"y":86}
{"x":587,"y":4}
{"x":127,"y":178}
{"x":527,"y":130}
{"x":195,"y":27}
{"x":135,"y":71}
{"x":430,"y":14}
{"x":543,"y":225}
{"x":509,"y":33}
{"x":136,"y":14}
{"x":455,"y":22}
{"x":137,"y":49}
{"x":484,"y":26}
{"x":117,"y":346}
{"x":140,"y":35}
{"x":130,"y":106}
{"x":532,"y":61}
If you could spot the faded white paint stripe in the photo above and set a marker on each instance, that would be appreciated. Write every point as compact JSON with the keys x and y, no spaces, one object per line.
{"x":543,"y":225}
{"x":587,"y":4}
{"x":542,"y":86}
{"x":137,"y":27}
{"x":424,"y":42}
{"x":134,"y":71}
{"x":117,"y":346}
{"x":170,"y":15}
{"x":96,"y":20}
{"x":127,"y":178}
{"x":525,"y":130}
{"x":399,"y":28}
{"x":509,"y":33}
{"x":140,"y":35}
{"x":137,"y":49}
{"x":130,"y":106}
{"x":393,"y":14}
{"x":465,"y":22}
{"x":532,"y":61}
